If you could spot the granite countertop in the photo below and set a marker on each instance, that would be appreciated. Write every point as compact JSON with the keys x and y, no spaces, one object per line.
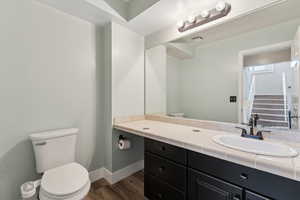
{"x":200,"y":140}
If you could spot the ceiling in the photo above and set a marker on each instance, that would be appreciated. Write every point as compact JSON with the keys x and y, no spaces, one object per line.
{"x":158,"y":18}
{"x":143,"y":16}
{"x":167,"y":12}
{"x":100,"y":12}
{"x":279,"y":13}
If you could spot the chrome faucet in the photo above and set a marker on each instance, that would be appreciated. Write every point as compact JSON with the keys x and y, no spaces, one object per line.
{"x":253,"y":133}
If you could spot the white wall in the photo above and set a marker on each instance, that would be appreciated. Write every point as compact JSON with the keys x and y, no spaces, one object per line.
{"x":173,"y":85}
{"x":271,"y":83}
{"x":124,"y":80}
{"x":180,"y":50}
{"x":156,"y":84}
{"x":127,"y":90}
{"x":127,"y":72}
{"x":48,"y":80}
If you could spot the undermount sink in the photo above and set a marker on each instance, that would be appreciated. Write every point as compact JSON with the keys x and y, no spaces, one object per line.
{"x":259,"y":147}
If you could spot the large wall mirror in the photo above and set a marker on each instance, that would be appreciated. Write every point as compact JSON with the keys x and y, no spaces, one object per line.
{"x":228,"y":79}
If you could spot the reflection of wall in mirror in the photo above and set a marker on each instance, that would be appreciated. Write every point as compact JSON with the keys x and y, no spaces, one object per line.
{"x":208,"y":79}
{"x":155,"y":69}
{"x":173,"y":85}
{"x":270,"y":83}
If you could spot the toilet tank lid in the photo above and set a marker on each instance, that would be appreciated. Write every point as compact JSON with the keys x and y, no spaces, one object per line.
{"x":45,"y":135}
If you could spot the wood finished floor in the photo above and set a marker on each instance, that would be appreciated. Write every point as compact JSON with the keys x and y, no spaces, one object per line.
{"x":131,"y":188}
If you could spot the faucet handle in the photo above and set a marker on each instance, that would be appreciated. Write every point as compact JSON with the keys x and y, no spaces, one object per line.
{"x":244,"y":131}
{"x":263,"y":131}
{"x":259,"y":134}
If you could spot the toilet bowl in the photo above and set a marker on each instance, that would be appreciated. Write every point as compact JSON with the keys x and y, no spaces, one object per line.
{"x":67,"y":182}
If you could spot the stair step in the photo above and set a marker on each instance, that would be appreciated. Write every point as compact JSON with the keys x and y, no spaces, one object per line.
{"x":271,"y":123}
{"x":270,"y":120}
{"x":269,"y":101}
{"x":278,"y":97}
{"x":269,"y":106}
{"x":276,"y":104}
{"x":266,"y":114}
{"x":268,"y":111}
{"x":271,"y":117}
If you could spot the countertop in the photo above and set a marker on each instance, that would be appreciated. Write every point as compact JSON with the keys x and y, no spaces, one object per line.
{"x":200,"y":140}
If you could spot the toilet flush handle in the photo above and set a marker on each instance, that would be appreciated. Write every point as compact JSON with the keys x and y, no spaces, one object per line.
{"x":40,"y":143}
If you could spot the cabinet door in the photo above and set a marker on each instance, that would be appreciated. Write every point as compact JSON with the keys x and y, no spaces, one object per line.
{"x":158,"y":190}
{"x":205,"y":187}
{"x":253,"y":196}
{"x":168,"y":151}
{"x":167,"y":171}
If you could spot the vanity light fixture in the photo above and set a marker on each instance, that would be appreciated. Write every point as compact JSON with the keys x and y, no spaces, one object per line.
{"x":205,"y":14}
{"x":180,"y":24}
{"x":221,"y":9}
{"x":221,"y":5}
{"x":191,"y":19}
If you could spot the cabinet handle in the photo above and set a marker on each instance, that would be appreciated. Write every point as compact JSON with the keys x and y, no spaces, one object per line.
{"x":40,"y":144}
{"x":237,"y":197}
{"x":161,"y":169}
{"x":159,"y":195}
{"x":163,"y":148}
{"x":244,"y":177}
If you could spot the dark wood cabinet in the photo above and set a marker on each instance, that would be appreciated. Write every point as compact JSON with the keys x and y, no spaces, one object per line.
{"x":173,"y":173}
{"x":159,"y":190}
{"x":263,"y":183}
{"x":205,"y":187}
{"x":253,"y":196}
{"x":167,"y":171}
{"x":167,"y":151}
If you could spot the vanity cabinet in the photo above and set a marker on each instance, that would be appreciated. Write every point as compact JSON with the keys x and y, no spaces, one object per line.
{"x":252,"y":196}
{"x":166,"y":171}
{"x":205,"y":187}
{"x":173,"y":173}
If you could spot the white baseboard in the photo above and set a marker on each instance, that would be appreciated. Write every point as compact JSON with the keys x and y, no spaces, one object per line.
{"x":126,"y":171}
{"x":118,"y":175}
{"x":96,"y":174}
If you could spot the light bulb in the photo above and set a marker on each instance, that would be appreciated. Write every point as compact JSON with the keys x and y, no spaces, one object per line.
{"x":205,"y":14}
{"x":191,"y":19}
{"x":180,"y":24}
{"x":221,"y":5}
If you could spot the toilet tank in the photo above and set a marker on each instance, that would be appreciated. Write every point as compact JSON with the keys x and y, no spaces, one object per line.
{"x":54,"y":148}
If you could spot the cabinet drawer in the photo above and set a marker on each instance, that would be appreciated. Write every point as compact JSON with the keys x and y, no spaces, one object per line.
{"x":205,"y":187}
{"x":253,"y":196}
{"x":167,"y":171}
{"x":264,"y":183}
{"x":157,"y":190}
{"x":171,"y":152}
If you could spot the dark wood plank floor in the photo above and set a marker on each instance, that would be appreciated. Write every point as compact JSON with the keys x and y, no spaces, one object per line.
{"x":131,"y":188}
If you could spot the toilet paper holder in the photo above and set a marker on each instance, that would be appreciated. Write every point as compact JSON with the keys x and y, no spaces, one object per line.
{"x":121,"y":137}
{"x":123,"y":143}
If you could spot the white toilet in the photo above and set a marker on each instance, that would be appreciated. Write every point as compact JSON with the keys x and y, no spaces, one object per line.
{"x":63,"y":178}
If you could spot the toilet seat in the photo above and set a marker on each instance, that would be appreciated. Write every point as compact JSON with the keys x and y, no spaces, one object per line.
{"x":67,"y":182}
{"x":80,"y":195}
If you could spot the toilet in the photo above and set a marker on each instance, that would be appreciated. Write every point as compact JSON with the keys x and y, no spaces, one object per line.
{"x":62,"y":177}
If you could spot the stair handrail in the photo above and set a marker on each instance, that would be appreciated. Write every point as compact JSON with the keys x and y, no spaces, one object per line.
{"x":284,"y":96}
{"x":251,"y":96}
